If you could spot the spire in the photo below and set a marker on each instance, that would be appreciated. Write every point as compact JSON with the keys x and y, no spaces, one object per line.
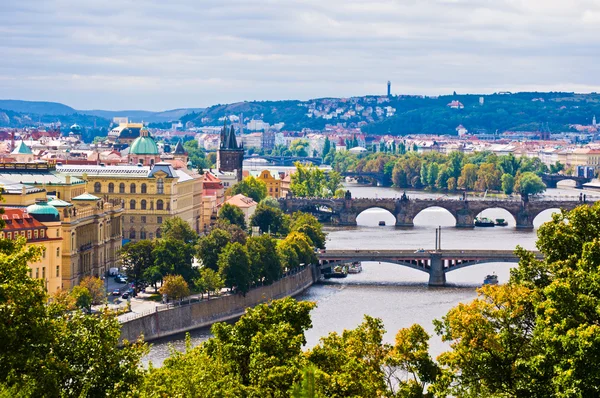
{"x":231,"y":141}
{"x":179,"y":149}
{"x":223,"y":143}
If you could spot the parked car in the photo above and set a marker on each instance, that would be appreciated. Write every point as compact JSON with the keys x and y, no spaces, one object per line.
{"x":116,"y":292}
{"x":120,"y":279}
{"x":125,"y":295}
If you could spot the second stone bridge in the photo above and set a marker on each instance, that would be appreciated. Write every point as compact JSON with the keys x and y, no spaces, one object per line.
{"x":345,"y":211}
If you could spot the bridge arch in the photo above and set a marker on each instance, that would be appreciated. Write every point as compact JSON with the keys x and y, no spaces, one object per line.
{"x":442,"y":217}
{"x":543,"y":216}
{"x":449,"y":267}
{"x":498,"y":212}
{"x":422,"y":265}
{"x":568,"y":182}
{"x":385,"y":215}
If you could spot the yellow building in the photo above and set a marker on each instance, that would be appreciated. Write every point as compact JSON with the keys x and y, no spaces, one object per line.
{"x":92,"y":231}
{"x":150,"y":194}
{"x":40,"y":225}
{"x":273,"y":184}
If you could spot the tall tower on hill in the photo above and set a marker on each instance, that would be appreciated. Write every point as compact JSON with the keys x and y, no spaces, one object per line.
{"x":389,"y":88}
{"x":230,"y":156}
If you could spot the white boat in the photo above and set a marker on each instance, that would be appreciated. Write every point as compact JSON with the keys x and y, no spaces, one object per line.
{"x":491,"y":280}
{"x":355,"y":268}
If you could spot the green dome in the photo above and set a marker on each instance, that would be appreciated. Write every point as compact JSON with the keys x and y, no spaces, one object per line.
{"x":75,"y":129}
{"x":43,"y":212}
{"x":144,"y":146}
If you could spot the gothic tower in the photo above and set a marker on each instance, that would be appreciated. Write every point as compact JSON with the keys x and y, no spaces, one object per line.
{"x":230,"y":156}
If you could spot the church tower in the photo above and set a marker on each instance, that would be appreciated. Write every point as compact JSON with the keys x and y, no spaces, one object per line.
{"x":230,"y":156}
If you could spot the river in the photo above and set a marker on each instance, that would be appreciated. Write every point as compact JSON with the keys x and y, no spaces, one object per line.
{"x":398,"y":295}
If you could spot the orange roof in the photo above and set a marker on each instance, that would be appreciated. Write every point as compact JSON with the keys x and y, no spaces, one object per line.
{"x":241,"y":201}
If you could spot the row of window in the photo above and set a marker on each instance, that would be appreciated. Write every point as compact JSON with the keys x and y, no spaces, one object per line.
{"x":37,"y":272}
{"x":159,"y":219}
{"x":160,"y":205}
{"x":31,"y":234}
{"x":160,"y":187}
{"x":143,"y":234}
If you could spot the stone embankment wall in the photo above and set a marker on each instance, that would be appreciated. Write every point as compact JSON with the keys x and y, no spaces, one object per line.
{"x":196,"y":315}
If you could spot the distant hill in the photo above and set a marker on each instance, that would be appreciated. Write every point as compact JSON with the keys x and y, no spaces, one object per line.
{"x":36,"y":107}
{"x":140,"y":115}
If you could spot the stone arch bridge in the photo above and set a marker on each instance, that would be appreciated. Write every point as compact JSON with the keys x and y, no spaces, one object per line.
{"x":345,"y":211}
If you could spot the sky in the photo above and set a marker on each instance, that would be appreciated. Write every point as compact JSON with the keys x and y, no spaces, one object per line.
{"x":165,"y":54}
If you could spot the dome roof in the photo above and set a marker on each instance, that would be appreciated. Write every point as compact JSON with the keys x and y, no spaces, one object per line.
{"x":76,"y":128}
{"x":43,"y":212}
{"x":144,"y":146}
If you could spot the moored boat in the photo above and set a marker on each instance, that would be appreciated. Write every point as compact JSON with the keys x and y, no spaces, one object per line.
{"x":483,"y":222}
{"x":382,"y":223}
{"x":491,"y":279}
{"x":355,"y":268}
{"x":501,"y":222}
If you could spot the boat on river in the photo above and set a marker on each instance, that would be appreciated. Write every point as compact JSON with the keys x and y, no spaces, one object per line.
{"x":491,"y":279}
{"x":339,"y":271}
{"x":484,"y":222}
{"x":355,"y":268}
{"x":501,"y":222}
{"x":382,"y":223}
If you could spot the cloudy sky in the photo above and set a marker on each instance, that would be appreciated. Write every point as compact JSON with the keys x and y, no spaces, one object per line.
{"x":163,"y":54}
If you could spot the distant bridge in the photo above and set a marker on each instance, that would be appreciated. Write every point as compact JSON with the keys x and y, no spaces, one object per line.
{"x":286,"y":160}
{"x":381,"y":179}
{"x":552,"y":179}
{"x":345,"y":211}
{"x":436,"y":263}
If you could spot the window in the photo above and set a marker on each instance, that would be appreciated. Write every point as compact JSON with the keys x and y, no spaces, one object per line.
{"x":160,"y":186}
{"x":132,"y":204}
{"x":150,"y":236}
{"x":158,"y":233}
{"x":111,"y":188}
{"x":132,"y":233}
{"x":57,"y":233}
{"x":131,"y":219}
{"x":142,"y":234}
{"x":159,"y":204}
{"x":37,"y":273}
{"x":43,"y":272}
{"x":43,"y":253}
{"x":29,"y":234}
{"x":132,"y":188}
{"x":121,"y":188}
{"x":36,"y":234}
{"x":58,"y":252}
{"x":143,"y":204}
{"x":57,"y":270}
{"x":143,"y":219}
{"x":42,"y":233}
{"x":159,"y":220}
{"x":144,"y":188}
{"x":9,"y":235}
{"x":97,"y":187}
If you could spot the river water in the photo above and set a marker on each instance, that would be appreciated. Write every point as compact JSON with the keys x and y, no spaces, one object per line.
{"x":398,"y":295}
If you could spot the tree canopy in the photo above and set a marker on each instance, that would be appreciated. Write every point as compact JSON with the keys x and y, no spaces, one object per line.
{"x":251,"y":187}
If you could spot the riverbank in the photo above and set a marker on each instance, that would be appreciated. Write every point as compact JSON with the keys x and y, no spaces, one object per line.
{"x":179,"y":319}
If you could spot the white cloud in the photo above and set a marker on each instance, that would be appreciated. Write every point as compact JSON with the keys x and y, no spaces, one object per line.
{"x":155,"y":54}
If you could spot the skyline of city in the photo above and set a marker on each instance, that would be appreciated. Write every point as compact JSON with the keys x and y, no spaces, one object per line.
{"x":163,"y":56}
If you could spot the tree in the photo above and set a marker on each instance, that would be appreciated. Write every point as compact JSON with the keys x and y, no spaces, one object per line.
{"x":210,"y":281}
{"x":326,"y":146}
{"x":175,"y":287}
{"x":234,"y":267}
{"x":270,"y":201}
{"x":529,"y":184}
{"x":307,"y":181}
{"x":309,"y":226}
{"x":488,"y":177}
{"x":265,"y":263}
{"x":299,"y":147}
{"x":297,"y":249}
{"x":174,"y":257}
{"x":508,"y":183}
{"x":136,"y":258}
{"x":251,"y":187}
{"x":210,"y":246}
{"x":468,"y":177}
{"x":270,"y":219}
{"x":233,"y":215}
{"x":177,"y":229}
{"x":557,"y":167}
{"x":96,"y":289}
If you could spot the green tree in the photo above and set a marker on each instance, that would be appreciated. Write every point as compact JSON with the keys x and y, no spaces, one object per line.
{"x":175,"y":287}
{"x":83,"y":298}
{"x":529,"y":183}
{"x":270,"y":219}
{"x":309,"y":226}
{"x":508,"y":183}
{"x":234,"y":267}
{"x":556,"y":167}
{"x":297,"y":249}
{"x":233,"y":214}
{"x":299,"y":147}
{"x":174,"y":257}
{"x":468,"y":177}
{"x":210,"y":281}
{"x":178,"y":229}
{"x":265,"y":262}
{"x":210,"y":246}
{"x":136,"y":258}
{"x":270,"y":201}
{"x":488,"y":177}
{"x":96,"y":288}
{"x":326,"y":146}
{"x":251,"y":187}
{"x":310,"y":181}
